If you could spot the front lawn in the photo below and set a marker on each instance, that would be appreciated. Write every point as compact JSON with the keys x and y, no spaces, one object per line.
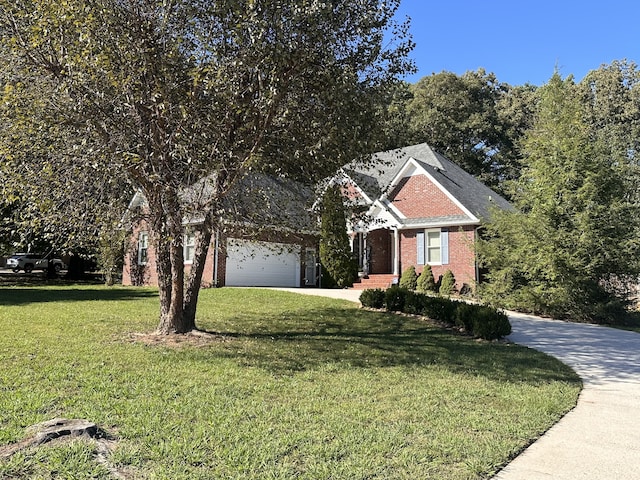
{"x":291,"y":386}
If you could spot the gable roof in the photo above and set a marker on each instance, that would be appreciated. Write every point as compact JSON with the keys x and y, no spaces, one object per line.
{"x":255,"y":199}
{"x":376,"y":176}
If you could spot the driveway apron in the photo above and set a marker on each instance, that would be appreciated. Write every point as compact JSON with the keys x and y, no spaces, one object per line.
{"x":600,"y":438}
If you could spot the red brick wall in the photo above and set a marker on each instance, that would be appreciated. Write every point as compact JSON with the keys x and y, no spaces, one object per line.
{"x":461,"y":255}
{"x":134,"y":274}
{"x":419,"y":197}
{"x":350,"y":191}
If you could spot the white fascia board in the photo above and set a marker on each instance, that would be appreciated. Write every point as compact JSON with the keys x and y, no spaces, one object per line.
{"x":393,"y":209}
{"x":138,"y":200}
{"x":380,"y":217}
{"x":454,"y":223}
{"x":335,"y":179}
{"x":381,"y":214}
{"x":412,"y":163}
{"x":409,"y":164}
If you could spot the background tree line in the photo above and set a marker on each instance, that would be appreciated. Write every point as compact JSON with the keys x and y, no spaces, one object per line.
{"x":566,"y":155}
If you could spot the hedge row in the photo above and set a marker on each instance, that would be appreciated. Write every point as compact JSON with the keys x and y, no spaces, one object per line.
{"x":481,"y":321}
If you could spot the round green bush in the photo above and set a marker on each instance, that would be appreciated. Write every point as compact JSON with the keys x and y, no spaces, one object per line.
{"x":372,"y":298}
{"x":490,"y":323}
{"x":440,"y":309}
{"x":394,"y":299}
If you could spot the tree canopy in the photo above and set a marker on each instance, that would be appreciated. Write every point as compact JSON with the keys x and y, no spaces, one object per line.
{"x":168,"y":92}
{"x":473,"y":119}
{"x":572,"y":244}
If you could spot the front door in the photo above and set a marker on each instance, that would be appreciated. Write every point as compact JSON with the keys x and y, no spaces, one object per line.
{"x":379,"y":243}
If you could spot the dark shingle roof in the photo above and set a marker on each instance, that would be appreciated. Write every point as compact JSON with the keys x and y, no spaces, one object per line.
{"x":257,"y":200}
{"x":374,"y":177}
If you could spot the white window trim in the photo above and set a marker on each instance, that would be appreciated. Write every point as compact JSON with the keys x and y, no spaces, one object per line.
{"x":426,"y":246}
{"x":422,"y":244}
{"x":186,"y":245}
{"x":143,"y":245}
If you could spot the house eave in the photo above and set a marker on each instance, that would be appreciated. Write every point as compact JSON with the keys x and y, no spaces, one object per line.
{"x":438,"y":223}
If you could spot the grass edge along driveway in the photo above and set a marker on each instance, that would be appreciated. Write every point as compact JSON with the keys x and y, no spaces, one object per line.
{"x":284,"y":386}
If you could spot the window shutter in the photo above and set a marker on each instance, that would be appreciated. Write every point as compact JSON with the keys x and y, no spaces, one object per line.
{"x":444,"y":246}
{"x":420,"y":244}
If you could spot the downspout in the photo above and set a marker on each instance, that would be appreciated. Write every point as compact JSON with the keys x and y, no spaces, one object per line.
{"x":475,"y":256}
{"x":215,"y":258}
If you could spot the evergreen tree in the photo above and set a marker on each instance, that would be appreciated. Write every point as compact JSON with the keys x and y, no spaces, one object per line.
{"x":409,"y":278}
{"x":574,"y":229}
{"x":448,"y":285}
{"x":335,"y":251}
{"x":426,"y":282}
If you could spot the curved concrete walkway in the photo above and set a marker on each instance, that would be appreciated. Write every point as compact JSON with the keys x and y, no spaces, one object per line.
{"x":600,"y":438}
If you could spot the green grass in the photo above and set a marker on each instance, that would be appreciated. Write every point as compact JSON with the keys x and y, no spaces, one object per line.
{"x":296,"y":387}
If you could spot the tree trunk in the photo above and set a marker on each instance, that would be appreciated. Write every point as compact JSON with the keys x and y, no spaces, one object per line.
{"x":163,"y":268}
{"x":203,"y":240}
{"x":172,"y":319}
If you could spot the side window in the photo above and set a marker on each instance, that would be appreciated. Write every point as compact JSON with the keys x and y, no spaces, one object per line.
{"x":432,"y":247}
{"x":189,"y":247}
{"x":420,"y":244}
{"x":143,"y":248}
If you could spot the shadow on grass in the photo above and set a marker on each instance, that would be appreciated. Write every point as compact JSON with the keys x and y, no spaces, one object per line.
{"x":364,"y":339}
{"x":25,"y":296}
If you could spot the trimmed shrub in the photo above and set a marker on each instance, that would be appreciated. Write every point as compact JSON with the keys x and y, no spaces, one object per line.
{"x":372,"y":298}
{"x":441,"y":309}
{"x":426,"y":282}
{"x":394,"y":299}
{"x":465,"y":315}
{"x":490,"y":323}
{"x":414,"y":303}
{"x":448,"y":284}
{"x":409,"y":278}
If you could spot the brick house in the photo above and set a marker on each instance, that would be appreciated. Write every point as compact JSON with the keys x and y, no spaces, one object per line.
{"x":268,"y":236}
{"x":420,"y":208}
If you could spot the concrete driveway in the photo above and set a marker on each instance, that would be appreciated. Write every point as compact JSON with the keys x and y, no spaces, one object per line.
{"x":600,"y":438}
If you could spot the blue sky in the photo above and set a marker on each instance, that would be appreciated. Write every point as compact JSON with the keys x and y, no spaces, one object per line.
{"x":521,"y":42}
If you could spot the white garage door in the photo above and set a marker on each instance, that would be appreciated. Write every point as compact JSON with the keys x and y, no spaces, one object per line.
{"x":262,"y":264}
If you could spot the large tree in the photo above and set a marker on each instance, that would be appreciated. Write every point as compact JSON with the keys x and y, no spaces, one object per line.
{"x":51,"y":173}
{"x":457,"y":115}
{"x":571,"y":244}
{"x":171,"y":91}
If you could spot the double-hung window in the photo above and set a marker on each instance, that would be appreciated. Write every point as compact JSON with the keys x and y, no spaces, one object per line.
{"x":432,"y":247}
{"x":189,"y":246}
{"x":143,"y":248}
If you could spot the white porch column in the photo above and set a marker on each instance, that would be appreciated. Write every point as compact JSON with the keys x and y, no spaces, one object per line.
{"x":364,"y":254}
{"x":396,"y":251}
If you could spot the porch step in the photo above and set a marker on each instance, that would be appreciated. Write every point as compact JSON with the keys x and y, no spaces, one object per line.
{"x":374,"y":281}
